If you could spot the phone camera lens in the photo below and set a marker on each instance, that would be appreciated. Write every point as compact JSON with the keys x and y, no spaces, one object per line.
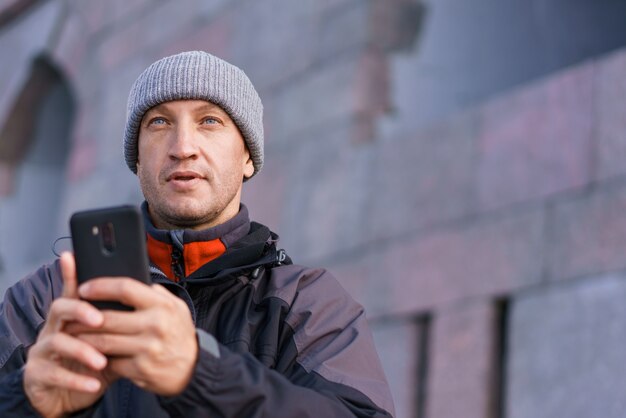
{"x":108,"y":237}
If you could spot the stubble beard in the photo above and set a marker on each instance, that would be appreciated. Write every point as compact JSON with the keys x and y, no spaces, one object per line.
{"x":176,"y":217}
{"x":185,"y":212}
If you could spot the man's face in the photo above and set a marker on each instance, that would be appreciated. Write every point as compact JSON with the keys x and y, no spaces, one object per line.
{"x":191,"y":165}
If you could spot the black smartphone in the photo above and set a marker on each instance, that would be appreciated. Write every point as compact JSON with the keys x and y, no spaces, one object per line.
{"x":110,"y":242}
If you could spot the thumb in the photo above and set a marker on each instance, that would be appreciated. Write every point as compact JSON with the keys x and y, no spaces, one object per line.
{"x":68,"y":270}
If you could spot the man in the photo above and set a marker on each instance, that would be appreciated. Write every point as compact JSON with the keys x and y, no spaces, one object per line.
{"x":230,"y":327}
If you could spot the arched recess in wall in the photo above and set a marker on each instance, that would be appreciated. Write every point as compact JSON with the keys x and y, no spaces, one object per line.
{"x":34,"y":146}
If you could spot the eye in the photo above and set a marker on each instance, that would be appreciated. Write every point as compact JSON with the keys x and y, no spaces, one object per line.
{"x":211,"y":120}
{"x":157,"y":121}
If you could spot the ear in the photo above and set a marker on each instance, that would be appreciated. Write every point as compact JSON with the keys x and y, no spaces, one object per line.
{"x":248,"y":168}
{"x":137,"y":144}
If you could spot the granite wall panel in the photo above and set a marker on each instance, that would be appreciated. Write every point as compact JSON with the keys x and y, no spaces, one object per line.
{"x":536,"y":141}
{"x":566,"y":350}
{"x":462,"y":367}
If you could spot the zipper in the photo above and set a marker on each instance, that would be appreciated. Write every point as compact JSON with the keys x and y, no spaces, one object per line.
{"x":177,"y":264}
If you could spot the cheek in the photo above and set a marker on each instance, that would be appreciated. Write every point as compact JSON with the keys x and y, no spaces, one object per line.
{"x":147,"y":160}
{"x":145,"y":168}
{"x":146,"y":173}
{"x":141,"y":174}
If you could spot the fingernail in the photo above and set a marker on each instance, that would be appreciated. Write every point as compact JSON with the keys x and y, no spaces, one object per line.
{"x":92,"y":385}
{"x":99,"y":362}
{"x":94,"y":317}
{"x":83,"y":290}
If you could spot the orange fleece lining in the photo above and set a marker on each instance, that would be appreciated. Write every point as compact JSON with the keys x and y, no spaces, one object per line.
{"x":195,"y":254}
{"x":199,"y":253}
{"x":161,"y":254}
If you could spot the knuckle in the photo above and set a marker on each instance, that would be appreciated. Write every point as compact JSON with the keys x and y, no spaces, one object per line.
{"x":54,"y":343}
{"x":142,"y":367}
{"x":125,"y":289}
{"x":55,"y":379}
{"x":100,"y":341}
{"x":64,"y":309}
{"x":156,"y":327}
{"x":56,"y":309}
{"x":154,"y":348}
{"x":82,"y":310}
{"x":170,"y":304}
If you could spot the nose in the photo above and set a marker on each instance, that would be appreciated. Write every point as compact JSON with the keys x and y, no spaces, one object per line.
{"x":183,"y":144}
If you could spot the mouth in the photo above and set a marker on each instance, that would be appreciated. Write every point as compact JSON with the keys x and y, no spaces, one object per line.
{"x":183,"y":176}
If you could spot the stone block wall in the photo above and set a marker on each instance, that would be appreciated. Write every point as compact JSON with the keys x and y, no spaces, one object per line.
{"x":488,"y":245}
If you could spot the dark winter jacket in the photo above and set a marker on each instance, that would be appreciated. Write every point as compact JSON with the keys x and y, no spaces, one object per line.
{"x":276,"y":339}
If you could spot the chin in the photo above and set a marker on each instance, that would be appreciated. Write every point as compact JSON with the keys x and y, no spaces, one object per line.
{"x":185,"y":213}
{"x":189,"y":214}
{"x":185,"y":220}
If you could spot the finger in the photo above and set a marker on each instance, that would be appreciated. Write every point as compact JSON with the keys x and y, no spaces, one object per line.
{"x":115,"y":322}
{"x":70,"y":348}
{"x":65,"y":310}
{"x":126,"y":367}
{"x":161,"y":289}
{"x":128,"y":291}
{"x":118,"y":345}
{"x":53,"y":375}
{"x":68,"y":271}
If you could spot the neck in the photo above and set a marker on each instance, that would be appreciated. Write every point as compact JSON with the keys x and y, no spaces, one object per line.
{"x":163,"y":222}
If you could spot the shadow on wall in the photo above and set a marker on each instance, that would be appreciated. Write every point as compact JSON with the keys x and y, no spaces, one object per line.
{"x":33,"y":155}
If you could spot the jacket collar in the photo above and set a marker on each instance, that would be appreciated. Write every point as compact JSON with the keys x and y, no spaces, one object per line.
{"x":179,"y":253}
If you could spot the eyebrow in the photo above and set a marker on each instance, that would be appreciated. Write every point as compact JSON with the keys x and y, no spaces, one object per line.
{"x":164,"y":107}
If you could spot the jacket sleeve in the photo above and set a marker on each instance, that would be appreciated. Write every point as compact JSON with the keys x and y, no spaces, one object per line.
{"x":22,"y":313}
{"x":329,"y":366}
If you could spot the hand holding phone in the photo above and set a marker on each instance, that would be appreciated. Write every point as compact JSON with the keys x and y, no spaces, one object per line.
{"x":156,"y":346}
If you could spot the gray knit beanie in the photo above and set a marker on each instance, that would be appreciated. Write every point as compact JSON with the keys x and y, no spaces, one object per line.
{"x":196,"y":75}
